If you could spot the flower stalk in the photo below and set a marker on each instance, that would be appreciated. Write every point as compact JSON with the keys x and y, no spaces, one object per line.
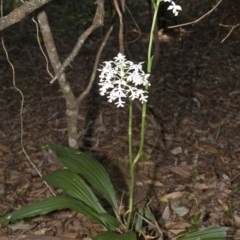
{"x":144,"y":110}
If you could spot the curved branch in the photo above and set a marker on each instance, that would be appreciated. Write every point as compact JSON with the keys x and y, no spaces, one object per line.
{"x":199,"y":19}
{"x":19,"y":13}
{"x":87,"y":90}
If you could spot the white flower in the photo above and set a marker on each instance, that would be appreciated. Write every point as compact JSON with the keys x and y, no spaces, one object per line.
{"x":121,"y":79}
{"x":175,"y":8}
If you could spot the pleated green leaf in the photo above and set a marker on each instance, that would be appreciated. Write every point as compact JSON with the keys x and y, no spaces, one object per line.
{"x":58,"y":203}
{"x":111,"y":235}
{"x":90,"y":169}
{"x":75,"y":187}
{"x":208,"y":233}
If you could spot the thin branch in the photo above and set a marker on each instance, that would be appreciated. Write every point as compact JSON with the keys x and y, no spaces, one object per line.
{"x":139,"y":32}
{"x":232,"y":28}
{"x":21,"y":116}
{"x":121,"y":45}
{"x":97,"y":59}
{"x":40,"y":46}
{"x":97,"y":21}
{"x":199,"y":19}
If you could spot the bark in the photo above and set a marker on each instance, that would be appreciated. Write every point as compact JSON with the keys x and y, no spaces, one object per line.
{"x":19,"y":13}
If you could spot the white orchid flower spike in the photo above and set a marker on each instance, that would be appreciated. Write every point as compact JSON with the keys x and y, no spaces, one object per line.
{"x":121,"y":79}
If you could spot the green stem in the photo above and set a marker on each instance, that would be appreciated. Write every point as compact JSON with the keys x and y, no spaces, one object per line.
{"x":131,"y":197}
{"x":150,"y":57}
{"x":130,"y":131}
{"x":131,"y":194}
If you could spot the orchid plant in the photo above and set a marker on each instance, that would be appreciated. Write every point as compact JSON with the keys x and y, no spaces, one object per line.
{"x":121,"y":79}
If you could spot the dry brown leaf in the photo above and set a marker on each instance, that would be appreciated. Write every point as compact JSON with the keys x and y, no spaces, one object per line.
{"x":19,"y":226}
{"x":171,"y":137}
{"x":154,"y":183}
{"x":3,"y":149}
{"x":237,"y":219}
{"x":211,"y":149}
{"x":41,"y":231}
{"x":2,"y":189}
{"x":224,"y":159}
{"x":139,"y":184}
{"x":177,"y":225}
{"x":200,"y":186}
{"x":101,"y":129}
{"x":223,"y":205}
{"x":173,"y":195}
{"x":63,"y":215}
{"x":176,"y":151}
{"x":231,"y":94}
{"x":70,"y":235}
{"x":237,"y":234}
{"x":180,"y":171}
{"x":166,"y":213}
{"x":176,"y":231}
{"x":200,"y":131}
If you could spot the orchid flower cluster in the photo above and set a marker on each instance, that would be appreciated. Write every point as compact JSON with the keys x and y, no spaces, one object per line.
{"x":175,"y":8}
{"x":121,"y":79}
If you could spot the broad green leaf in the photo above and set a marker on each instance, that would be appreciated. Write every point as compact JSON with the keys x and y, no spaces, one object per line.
{"x":90,"y":169}
{"x":111,"y":235}
{"x":75,"y":187}
{"x":58,"y":203}
{"x":209,"y":233}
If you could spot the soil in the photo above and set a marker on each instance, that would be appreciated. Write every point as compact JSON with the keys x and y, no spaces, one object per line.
{"x":193,"y":127}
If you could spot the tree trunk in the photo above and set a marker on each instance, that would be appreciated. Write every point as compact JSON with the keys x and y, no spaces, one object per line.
{"x":71,"y":101}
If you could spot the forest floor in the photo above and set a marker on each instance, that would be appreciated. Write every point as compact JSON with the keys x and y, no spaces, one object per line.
{"x":192,"y":145}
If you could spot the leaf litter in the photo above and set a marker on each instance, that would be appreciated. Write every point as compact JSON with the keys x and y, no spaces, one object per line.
{"x":195,"y":100}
